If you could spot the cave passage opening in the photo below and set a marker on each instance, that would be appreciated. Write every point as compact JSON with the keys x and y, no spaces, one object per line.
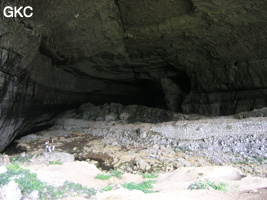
{"x":175,"y":89}
{"x":165,"y":93}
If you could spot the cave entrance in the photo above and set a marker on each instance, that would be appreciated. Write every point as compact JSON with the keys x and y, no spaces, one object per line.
{"x":175,"y":88}
{"x":184,"y":82}
{"x":153,"y":95}
{"x":165,"y":93}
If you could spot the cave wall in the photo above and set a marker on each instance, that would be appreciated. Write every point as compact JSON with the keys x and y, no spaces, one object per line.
{"x":206,"y":57}
{"x":221,"y":45}
{"x":228,"y":89}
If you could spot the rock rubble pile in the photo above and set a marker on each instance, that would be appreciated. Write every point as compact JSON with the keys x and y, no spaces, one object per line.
{"x":125,"y":114}
{"x":147,"y":147}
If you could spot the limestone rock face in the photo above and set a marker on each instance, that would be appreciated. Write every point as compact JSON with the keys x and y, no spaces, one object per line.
{"x":70,"y":52}
{"x":10,"y":191}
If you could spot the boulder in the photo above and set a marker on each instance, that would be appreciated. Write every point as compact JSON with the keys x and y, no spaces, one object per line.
{"x":52,"y":157}
{"x":3,"y":169}
{"x":4,"y":159}
{"x":10,"y":191}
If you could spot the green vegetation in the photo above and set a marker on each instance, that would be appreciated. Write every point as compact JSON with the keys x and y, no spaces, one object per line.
{"x":112,"y":172}
{"x":244,"y":162}
{"x":221,"y":186}
{"x":145,"y":186}
{"x":180,"y":149}
{"x":152,"y":175}
{"x":58,"y":162}
{"x":28,"y":182}
{"x":202,"y":185}
{"x":255,"y":159}
{"x":260,"y":159}
{"x":115,"y":173}
{"x":25,"y":179}
{"x":78,"y":188}
{"x":19,"y":159}
{"x":27,"y":158}
{"x":103,"y":177}
{"x":107,"y":188}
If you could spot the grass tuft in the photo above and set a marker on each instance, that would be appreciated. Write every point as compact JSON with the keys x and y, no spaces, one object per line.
{"x":152,"y":175}
{"x":107,"y":188}
{"x":112,"y":172}
{"x":202,"y":185}
{"x":145,"y":186}
{"x":78,"y":188}
{"x":103,"y":177}
{"x":58,"y":162}
{"x":115,"y":173}
{"x":19,"y":159}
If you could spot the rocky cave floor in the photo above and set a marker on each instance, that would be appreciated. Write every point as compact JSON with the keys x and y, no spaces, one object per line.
{"x":182,"y":151}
